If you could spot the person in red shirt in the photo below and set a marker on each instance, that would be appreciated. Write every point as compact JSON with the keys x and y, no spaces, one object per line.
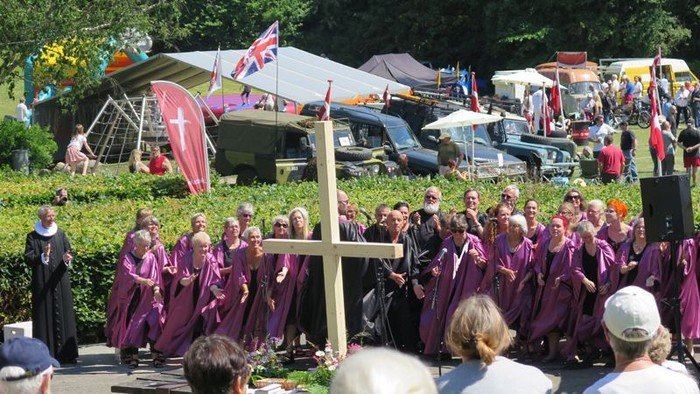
{"x":611,"y":161}
{"x":159,"y":163}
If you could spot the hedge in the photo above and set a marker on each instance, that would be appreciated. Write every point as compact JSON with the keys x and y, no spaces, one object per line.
{"x":103,"y":211}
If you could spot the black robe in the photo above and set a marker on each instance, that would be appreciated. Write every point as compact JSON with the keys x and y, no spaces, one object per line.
{"x":53,"y":314}
{"x":312,"y":316}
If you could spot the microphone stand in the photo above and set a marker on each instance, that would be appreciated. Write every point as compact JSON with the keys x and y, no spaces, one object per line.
{"x":438,"y":332}
{"x":385,"y":334}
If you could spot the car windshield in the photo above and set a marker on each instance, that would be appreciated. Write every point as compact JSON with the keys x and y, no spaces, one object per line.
{"x":402,"y":137}
{"x":341,"y":137}
{"x":516,"y":127}
{"x":582,"y":87}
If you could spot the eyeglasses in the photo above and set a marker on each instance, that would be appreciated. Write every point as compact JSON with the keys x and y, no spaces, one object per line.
{"x":506,"y":196}
{"x":282,"y":225}
{"x":457,"y":230}
{"x":247,"y":215}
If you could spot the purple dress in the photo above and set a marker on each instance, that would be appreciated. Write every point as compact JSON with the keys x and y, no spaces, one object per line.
{"x":232,"y":310}
{"x":257,"y":311}
{"x":688,"y":296}
{"x":552,"y":306}
{"x":460,"y":278}
{"x":220,"y":253}
{"x":283,"y":294}
{"x":587,"y":309}
{"x":137,"y":316}
{"x":196,"y":309}
{"x":516,"y":307}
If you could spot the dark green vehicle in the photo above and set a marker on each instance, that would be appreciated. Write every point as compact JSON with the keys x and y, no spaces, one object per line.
{"x":255,"y":146}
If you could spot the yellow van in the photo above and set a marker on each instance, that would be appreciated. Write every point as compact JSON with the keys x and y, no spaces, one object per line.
{"x":676,"y":71}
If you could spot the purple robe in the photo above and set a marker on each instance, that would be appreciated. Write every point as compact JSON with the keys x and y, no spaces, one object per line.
{"x":219,"y":255}
{"x":588,"y":327}
{"x":232,"y":310}
{"x":184,"y":318}
{"x":649,"y":264}
{"x":282,"y":293}
{"x":255,"y":325}
{"x":603,"y":234}
{"x":539,"y":234}
{"x":127,"y":246}
{"x":137,"y":316}
{"x":182,"y":246}
{"x":552,"y":306}
{"x":516,"y":307}
{"x":688,"y":291}
{"x":460,"y":278}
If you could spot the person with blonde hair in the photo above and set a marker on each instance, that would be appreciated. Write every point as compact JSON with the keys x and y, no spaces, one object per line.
{"x":380,"y":371}
{"x":184,"y":244}
{"x":74,"y":156}
{"x":135,"y":164}
{"x":478,"y":334}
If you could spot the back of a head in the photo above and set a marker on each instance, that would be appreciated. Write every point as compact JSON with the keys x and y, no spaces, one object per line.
{"x":26,"y":366}
{"x":477,"y":330}
{"x":632,"y":319}
{"x":381,"y":370}
{"x":215,"y":365}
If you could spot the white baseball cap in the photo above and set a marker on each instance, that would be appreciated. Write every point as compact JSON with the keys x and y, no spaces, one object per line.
{"x":632,"y":308}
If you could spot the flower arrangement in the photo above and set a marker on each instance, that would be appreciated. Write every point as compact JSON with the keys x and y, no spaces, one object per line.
{"x":264,"y":361}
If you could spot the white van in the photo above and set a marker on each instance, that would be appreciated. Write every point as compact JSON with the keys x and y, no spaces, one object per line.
{"x":676,"y":71}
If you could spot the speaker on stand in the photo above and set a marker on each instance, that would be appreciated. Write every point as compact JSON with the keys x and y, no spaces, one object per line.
{"x":668,"y":217}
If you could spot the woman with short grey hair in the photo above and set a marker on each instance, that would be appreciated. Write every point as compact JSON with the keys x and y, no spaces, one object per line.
{"x":245,"y":213}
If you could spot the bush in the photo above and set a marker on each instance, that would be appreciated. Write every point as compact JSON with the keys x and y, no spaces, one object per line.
{"x":103,"y":210}
{"x":37,"y":140}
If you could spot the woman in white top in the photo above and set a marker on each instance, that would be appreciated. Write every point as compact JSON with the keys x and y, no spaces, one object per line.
{"x":74,"y":156}
{"x":478,"y":334}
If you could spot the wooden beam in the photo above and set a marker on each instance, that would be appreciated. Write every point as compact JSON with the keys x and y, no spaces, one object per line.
{"x":345,"y":249}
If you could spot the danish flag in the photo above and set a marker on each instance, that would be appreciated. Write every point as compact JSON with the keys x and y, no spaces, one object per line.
{"x":475,"y":95}
{"x":324,"y":113}
{"x":263,"y":50}
{"x":215,"y":80}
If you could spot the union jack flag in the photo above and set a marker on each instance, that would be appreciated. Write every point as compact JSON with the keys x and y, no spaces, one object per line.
{"x":263,"y":50}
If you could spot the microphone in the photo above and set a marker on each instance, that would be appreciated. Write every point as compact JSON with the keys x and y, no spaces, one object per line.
{"x":442,"y":254}
{"x":367,"y":215}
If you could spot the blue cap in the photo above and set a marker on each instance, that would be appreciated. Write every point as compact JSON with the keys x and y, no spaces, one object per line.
{"x":30,"y":354}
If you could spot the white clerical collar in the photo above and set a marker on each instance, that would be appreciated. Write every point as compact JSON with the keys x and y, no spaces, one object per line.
{"x":43,"y":231}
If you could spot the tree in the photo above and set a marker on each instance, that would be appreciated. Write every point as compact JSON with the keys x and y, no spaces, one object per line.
{"x":79,"y":35}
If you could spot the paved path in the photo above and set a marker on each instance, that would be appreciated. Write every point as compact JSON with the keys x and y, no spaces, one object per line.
{"x":97,"y":371}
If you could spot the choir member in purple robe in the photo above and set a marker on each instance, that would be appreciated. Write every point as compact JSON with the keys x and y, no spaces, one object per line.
{"x":616,"y":232}
{"x":591,"y":266}
{"x":244,"y":213}
{"x":595,"y":213}
{"x":689,"y":294}
{"x":298,"y":229}
{"x":535,"y":230}
{"x":152,"y":225}
{"x":497,"y":224}
{"x":447,"y":280}
{"x":227,"y":250}
{"x":138,"y":316}
{"x":282,"y":321}
{"x":258,"y":271}
{"x":640,"y":262}
{"x":512,"y":263}
{"x":195,"y":298}
{"x":552,"y":267}
{"x":575,"y":197}
{"x":236,"y":290}
{"x":567,"y":210}
{"x":184,"y":244}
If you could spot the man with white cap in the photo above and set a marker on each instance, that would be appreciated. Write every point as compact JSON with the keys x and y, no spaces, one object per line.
{"x":447,"y":150}
{"x":630,"y":322}
{"x":26,"y":366}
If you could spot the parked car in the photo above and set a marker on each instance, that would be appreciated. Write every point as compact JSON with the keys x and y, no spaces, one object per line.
{"x":280,"y":148}
{"x":386,"y":134}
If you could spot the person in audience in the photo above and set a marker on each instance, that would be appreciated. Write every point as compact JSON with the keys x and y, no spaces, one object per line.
{"x":26,"y":367}
{"x":135,"y":163}
{"x":382,"y":371}
{"x":74,"y":156}
{"x":660,"y":349}
{"x":215,"y":364}
{"x":159,"y":163}
{"x":630,"y":322}
{"x":478,"y":334}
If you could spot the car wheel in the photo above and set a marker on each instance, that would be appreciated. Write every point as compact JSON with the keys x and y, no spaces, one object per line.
{"x":352,"y":153}
{"x":246,"y":176}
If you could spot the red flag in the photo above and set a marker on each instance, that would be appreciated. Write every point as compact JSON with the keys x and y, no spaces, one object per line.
{"x":215,"y":80}
{"x":185,"y":125}
{"x":546,"y":118}
{"x":554,"y":102}
{"x":475,"y":95}
{"x":655,"y":138}
{"x":263,"y":50}
{"x":324,"y":113}
{"x":387,"y":97}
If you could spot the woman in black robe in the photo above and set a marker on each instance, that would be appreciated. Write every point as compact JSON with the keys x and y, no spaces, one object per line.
{"x":48,"y":254}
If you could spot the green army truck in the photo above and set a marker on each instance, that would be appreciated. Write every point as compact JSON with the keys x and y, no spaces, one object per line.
{"x":278,"y":148}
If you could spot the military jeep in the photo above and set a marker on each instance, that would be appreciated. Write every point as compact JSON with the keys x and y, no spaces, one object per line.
{"x":278,"y":148}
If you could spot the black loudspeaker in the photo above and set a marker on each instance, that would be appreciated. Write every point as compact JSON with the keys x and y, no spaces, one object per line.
{"x":667,"y":208}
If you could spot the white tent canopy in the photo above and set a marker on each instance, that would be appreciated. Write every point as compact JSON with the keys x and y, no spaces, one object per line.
{"x":523,"y":77}
{"x":462,"y":118}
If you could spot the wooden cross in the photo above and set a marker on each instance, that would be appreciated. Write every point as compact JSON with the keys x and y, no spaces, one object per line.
{"x":330,"y":246}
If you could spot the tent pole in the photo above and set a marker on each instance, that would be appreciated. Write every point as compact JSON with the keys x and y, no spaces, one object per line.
{"x":143,"y":110}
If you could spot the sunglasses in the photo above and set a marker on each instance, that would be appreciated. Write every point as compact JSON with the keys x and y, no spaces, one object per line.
{"x":282,"y":225}
{"x":458,"y":230}
{"x":569,"y":198}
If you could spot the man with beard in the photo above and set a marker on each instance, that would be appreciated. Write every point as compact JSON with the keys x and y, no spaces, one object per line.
{"x":475,"y":220}
{"x":312,"y":315}
{"x":426,"y":229}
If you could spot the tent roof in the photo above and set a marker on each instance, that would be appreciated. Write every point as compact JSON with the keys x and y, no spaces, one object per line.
{"x":303,"y":77}
{"x":403,"y":68}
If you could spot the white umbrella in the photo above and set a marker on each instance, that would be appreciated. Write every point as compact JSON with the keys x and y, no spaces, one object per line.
{"x":463,"y":118}
{"x":523,"y":78}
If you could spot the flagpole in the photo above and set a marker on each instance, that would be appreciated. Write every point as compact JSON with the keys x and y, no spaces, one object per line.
{"x":223,"y":107}
{"x":661,"y":75}
{"x":561,"y":105}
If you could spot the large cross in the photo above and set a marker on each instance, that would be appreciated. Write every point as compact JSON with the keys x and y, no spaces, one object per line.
{"x":330,"y":246}
{"x":180,"y":122}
